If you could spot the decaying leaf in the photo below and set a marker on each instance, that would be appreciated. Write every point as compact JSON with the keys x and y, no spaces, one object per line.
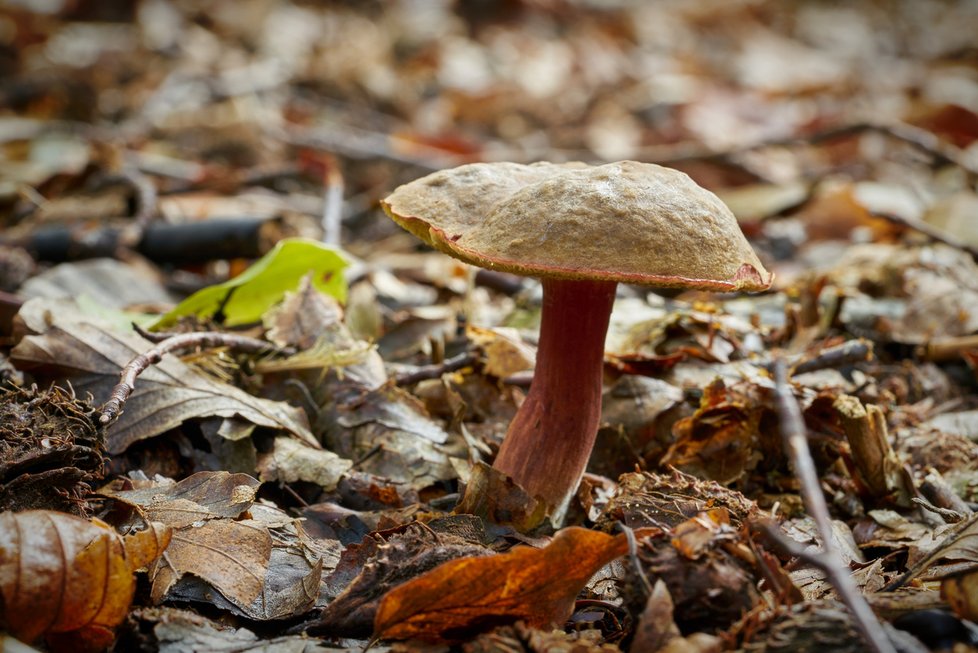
{"x":66,"y":577}
{"x":721,"y":440}
{"x":960,"y":545}
{"x":172,"y":630}
{"x":495,"y":497}
{"x":520,"y":638}
{"x":711,"y":575}
{"x":656,"y":626}
{"x":67,"y":344}
{"x":292,"y":461}
{"x":202,"y":496}
{"x":504,"y":352}
{"x":537,"y":586}
{"x":390,"y":434}
{"x":215,"y":546}
{"x":405,"y":556}
{"x":647,"y":499}
{"x":814,"y":627}
{"x":231,"y":556}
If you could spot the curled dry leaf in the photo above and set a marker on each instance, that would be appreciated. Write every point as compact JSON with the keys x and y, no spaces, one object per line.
{"x":65,"y":577}
{"x":538,"y":586}
{"x":722,"y":439}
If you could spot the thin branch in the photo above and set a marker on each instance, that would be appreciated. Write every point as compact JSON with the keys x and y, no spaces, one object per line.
{"x":947,"y":348}
{"x":934,"y":233}
{"x":921,"y":139}
{"x":112,"y":408}
{"x":849,"y":352}
{"x":829,"y":559}
{"x":434,"y":371}
{"x":633,"y":556}
{"x":332,"y":204}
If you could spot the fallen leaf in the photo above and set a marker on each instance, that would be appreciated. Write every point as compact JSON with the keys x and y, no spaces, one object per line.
{"x":722,"y":439}
{"x":292,"y":461}
{"x":231,"y":556}
{"x":960,"y":544}
{"x":259,"y":567}
{"x":656,"y":626}
{"x":390,"y":435}
{"x":497,"y":498}
{"x":62,"y":574}
{"x":647,"y":499}
{"x":199,"y":497}
{"x":170,"y":629}
{"x":66,"y":344}
{"x":538,"y":586}
{"x":505,"y":353}
{"x":404,"y":557}
{"x":248,"y":296}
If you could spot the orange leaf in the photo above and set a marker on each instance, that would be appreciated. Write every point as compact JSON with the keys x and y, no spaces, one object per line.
{"x":63,"y":574}
{"x":538,"y":586}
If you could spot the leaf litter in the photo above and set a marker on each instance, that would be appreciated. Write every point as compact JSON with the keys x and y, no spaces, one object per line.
{"x":151,"y":153}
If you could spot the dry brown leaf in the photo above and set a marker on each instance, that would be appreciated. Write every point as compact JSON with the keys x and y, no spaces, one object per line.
{"x":960,"y":544}
{"x":232,"y":556}
{"x":721,"y":440}
{"x":505,"y":354}
{"x":538,"y":586}
{"x":656,"y":626}
{"x":68,"y":344}
{"x":201,"y":496}
{"x":292,"y":461}
{"x":61,"y":575}
{"x":390,"y":434}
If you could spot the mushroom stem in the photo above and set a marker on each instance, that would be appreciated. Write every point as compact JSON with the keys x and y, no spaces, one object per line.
{"x":549,"y":441}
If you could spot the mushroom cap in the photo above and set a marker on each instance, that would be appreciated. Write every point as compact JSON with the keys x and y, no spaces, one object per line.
{"x":629,"y":222}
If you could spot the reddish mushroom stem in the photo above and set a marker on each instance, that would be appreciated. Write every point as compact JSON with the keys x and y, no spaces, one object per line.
{"x":549,"y":441}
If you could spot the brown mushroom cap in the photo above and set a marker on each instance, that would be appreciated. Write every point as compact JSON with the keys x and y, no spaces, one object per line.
{"x":628,"y":222}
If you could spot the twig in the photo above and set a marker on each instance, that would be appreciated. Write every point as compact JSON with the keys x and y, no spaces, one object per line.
{"x":112,"y":408}
{"x":915,"y":136}
{"x":934,"y":233}
{"x":150,"y":335}
{"x":633,"y":556}
{"x":362,"y":144}
{"x":146,"y":196}
{"x":829,"y":560}
{"x":332,"y":204}
{"x":852,"y":351}
{"x":945,"y":349}
{"x":434,"y":371}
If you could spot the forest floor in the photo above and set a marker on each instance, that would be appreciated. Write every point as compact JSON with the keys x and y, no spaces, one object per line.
{"x":197,"y":187}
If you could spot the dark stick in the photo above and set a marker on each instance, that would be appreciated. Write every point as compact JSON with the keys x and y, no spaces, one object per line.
{"x":178,"y":244}
{"x":112,"y":408}
{"x":434,"y":371}
{"x":829,"y":560}
{"x":852,"y":351}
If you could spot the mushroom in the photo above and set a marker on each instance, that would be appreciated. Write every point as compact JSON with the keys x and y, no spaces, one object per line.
{"x":580,"y":229}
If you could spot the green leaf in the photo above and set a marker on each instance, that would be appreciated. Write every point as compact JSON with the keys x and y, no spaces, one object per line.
{"x":246,"y":298}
